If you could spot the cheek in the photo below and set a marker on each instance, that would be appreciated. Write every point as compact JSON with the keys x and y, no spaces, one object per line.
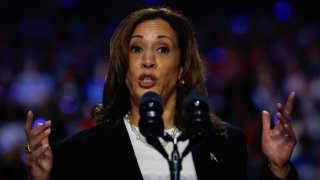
{"x":131,"y":79}
{"x":171,"y":77}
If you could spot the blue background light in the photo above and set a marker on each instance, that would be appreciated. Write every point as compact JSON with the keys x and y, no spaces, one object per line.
{"x":282,"y":11}
{"x":240,"y":24}
{"x":69,"y":3}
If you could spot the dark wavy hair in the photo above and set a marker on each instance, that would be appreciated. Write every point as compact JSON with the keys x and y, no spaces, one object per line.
{"x":116,"y":101}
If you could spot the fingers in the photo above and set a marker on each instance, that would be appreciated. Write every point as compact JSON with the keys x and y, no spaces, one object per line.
{"x":42,"y":127}
{"x":290,"y":101}
{"x":38,"y":136}
{"x":28,"y":125}
{"x":40,"y":151}
{"x":41,"y":135}
{"x":46,"y":131}
{"x":46,"y":139}
{"x":291,"y":137}
{"x":284,"y":114}
{"x":287,"y":110}
{"x":266,"y":121}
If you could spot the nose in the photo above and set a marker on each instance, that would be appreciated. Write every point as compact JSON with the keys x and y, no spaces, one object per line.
{"x":148,"y":60}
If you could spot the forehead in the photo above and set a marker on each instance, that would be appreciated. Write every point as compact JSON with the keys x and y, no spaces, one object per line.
{"x":159,"y":26}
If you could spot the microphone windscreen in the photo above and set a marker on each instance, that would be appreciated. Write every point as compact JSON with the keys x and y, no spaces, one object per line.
{"x":198,"y":121}
{"x":195,"y":95}
{"x":150,"y":97}
{"x":150,"y":109}
{"x":151,"y":124}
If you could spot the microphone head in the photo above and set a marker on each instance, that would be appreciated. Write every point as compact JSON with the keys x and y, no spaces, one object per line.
{"x":197,"y":96}
{"x":198,"y":122}
{"x":150,"y":97}
{"x":150,"y":109}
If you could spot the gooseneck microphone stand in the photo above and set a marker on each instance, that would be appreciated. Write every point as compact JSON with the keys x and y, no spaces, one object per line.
{"x":175,"y":163}
{"x":175,"y":160}
{"x":151,"y":126}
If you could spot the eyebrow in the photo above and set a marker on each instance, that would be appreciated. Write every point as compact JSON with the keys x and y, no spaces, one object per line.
{"x":159,"y":37}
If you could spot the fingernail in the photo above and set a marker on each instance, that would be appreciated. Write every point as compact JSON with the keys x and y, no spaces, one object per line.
{"x":47,"y":131}
{"x":48,"y":122}
{"x":39,"y":124}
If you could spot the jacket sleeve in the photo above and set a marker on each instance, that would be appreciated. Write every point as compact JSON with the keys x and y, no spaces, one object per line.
{"x":266,"y":173}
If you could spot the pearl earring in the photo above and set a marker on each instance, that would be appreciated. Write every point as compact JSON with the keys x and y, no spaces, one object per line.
{"x":181,"y":83}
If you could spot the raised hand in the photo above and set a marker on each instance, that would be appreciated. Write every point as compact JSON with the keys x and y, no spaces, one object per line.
{"x":38,"y":152}
{"x":278,"y":143}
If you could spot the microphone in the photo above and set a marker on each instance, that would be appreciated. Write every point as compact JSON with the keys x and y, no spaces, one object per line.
{"x":198,"y":122}
{"x":150,"y":123}
{"x":150,"y":109}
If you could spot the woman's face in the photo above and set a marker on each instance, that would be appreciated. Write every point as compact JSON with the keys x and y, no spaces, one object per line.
{"x":154,"y":58}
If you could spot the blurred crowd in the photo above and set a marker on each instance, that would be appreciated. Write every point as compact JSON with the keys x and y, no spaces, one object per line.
{"x":54,"y":57}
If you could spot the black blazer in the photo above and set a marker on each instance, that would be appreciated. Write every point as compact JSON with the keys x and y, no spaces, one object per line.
{"x":105,"y":152}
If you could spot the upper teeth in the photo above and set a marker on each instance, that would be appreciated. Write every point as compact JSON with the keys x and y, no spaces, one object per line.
{"x":147,"y":79}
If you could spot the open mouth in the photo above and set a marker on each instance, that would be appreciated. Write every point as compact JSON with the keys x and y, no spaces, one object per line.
{"x":147,"y":81}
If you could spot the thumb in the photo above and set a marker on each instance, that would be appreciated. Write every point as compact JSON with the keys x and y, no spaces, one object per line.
{"x":266,"y":121}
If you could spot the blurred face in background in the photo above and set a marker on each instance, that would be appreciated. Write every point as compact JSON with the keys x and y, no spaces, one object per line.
{"x":154,"y":61}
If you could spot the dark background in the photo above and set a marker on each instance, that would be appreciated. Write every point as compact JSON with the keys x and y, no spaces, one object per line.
{"x":54,"y":56}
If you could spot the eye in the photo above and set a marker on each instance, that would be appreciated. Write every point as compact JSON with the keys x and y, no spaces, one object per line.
{"x":163,"y":50}
{"x":135,"y":49}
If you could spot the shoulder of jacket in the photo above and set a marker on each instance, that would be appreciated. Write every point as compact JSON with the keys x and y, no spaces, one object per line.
{"x":89,"y":134}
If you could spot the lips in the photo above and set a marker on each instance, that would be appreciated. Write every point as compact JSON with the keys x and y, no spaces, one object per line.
{"x":147,"y":81}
